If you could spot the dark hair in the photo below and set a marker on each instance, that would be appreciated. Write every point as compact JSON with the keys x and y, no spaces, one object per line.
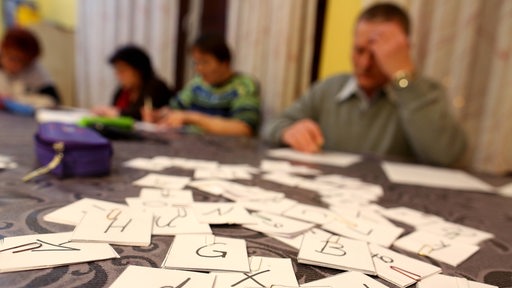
{"x":215,"y":45}
{"x":24,"y":41}
{"x":136,"y":58}
{"x":386,"y":12}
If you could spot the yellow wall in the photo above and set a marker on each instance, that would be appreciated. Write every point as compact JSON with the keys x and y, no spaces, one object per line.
{"x":337,"y":43}
{"x":63,"y":12}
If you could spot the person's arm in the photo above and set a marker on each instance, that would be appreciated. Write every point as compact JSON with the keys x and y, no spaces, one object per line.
{"x":431,"y":129}
{"x":433,"y":132}
{"x":209,"y":124}
{"x":300,"y":118}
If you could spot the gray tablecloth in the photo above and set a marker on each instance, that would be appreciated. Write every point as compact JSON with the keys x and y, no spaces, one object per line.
{"x":22,"y":207}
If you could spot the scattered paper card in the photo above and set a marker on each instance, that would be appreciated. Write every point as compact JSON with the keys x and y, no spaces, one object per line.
{"x":324,"y":158}
{"x":367,"y":213}
{"x":434,"y":177}
{"x":310,"y":213}
{"x":177,"y":220}
{"x":137,"y":276}
{"x":144,"y":164}
{"x":410,"y":216}
{"x":162,"y":181}
{"x":6,"y":162}
{"x":49,"y":250}
{"x":337,"y":253}
{"x":207,"y":253}
{"x":338,"y":180}
{"x":142,"y":204}
{"x":363,"y":230}
{"x":221,"y":213}
{"x":346,"y":280}
{"x":436,"y":247}
{"x":282,"y":178}
{"x":275,"y":206}
{"x":443,"y":281}
{"x":265,"y":272}
{"x":214,"y":187}
{"x":276,"y":225}
{"x":286,"y":167}
{"x":127,"y":226}
{"x":74,"y":212}
{"x":399,"y":269}
{"x":458,"y":232}
{"x":296,"y":242}
{"x":177,"y":196}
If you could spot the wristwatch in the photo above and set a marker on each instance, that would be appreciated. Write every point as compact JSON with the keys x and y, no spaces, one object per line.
{"x":402,"y":79}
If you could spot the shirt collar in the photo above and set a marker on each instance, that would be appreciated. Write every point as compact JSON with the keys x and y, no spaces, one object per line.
{"x":348,"y":90}
{"x":352,"y":89}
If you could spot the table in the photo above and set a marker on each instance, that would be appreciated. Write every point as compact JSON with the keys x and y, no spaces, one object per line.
{"x":23,"y":205}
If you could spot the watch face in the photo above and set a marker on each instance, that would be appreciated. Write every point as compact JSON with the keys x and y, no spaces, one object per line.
{"x":403,"y":82}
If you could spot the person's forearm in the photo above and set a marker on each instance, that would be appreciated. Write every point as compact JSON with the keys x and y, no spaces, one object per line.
{"x":218,"y":125}
{"x":435,"y":135}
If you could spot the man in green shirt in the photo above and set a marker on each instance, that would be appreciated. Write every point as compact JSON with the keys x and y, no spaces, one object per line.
{"x":384,"y":108}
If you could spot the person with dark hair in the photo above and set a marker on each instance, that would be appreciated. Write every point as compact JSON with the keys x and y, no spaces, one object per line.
{"x":384,"y":108}
{"x":138,"y":84}
{"x":22,"y":78}
{"x":218,"y":100}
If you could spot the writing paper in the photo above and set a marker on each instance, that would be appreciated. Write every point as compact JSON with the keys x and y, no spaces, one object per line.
{"x":207,"y":253}
{"x":137,"y":276}
{"x":337,"y":253}
{"x":49,"y":250}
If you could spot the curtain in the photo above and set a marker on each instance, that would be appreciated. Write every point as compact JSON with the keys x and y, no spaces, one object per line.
{"x":273,"y":41}
{"x":103,"y":26}
{"x":467,"y":46}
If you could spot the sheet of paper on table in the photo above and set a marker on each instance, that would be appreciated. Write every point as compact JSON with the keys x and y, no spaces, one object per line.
{"x":505,"y":190}
{"x":296,"y":242}
{"x":265,"y":272}
{"x":324,"y":158}
{"x":180,"y":196}
{"x":434,"y":177}
{"x":67,"y":115}
{"x":276,"y":225}
{"x":458,"y":232}
{"x":6,"y":162}
{"x":145,"y":164}
{"x":275,"y":206}
{"x":286,"y":167}
{"x":346,"y":280}
{"x":177,"y":220}
{"x":128,"y":226}
{"x":439,"y":280}
{"x":436,"y":247}
{"x":140,"y":203}
{"x":221,"y":213}
{"x":358,"y":228}
{"x":207,"y":253}
{"x":49,"y":250}
{"x":367,"y":213}
{"x":310,"y":213}
{"x":410,"y":216}
{"x":72,"y":214}
{"x":399,"y":269}
{"x":137,"y":276}
{"x":162,"y":181}
{"x":222,"y":173}
{"x":337,"y":253}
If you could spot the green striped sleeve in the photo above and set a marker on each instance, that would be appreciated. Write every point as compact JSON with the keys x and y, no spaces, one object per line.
{"x":246,"y":107}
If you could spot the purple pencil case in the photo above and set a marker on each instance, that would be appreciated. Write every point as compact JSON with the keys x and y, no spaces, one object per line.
{"x":67,"y":150}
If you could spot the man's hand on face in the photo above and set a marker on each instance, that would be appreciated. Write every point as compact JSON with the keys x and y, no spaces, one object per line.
{"x":391,"y":49}
{"x":304,"y":135}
